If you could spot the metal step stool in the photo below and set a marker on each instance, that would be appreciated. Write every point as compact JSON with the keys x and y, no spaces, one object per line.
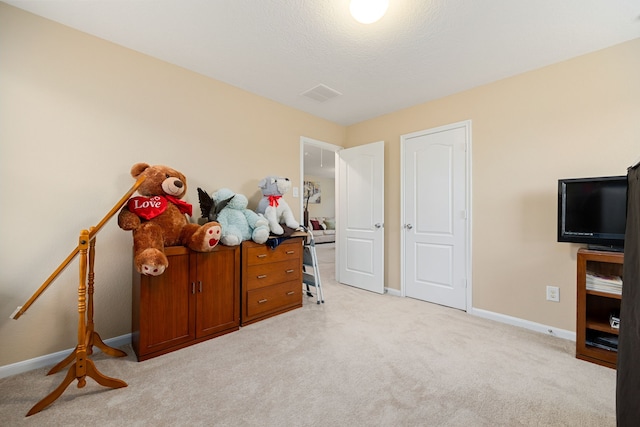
{"x":310,"y":271}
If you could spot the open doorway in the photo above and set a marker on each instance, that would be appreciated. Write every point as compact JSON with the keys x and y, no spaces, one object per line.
{"x":318,"y":196}
{"x":356,"y":204}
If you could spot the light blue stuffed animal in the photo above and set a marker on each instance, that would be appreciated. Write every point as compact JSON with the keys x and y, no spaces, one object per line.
{"x":239,"y":223}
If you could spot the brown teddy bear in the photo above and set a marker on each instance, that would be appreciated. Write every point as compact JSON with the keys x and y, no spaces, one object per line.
{"x":157,"y":219}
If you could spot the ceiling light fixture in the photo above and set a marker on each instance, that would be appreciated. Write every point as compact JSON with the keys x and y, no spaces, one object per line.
{"x":368,"y":11}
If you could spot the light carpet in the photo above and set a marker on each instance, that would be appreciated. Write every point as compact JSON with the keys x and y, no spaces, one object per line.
{"x":360,"y":359}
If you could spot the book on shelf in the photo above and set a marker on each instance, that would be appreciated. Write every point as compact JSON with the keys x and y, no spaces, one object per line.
{"x":603,"y":283}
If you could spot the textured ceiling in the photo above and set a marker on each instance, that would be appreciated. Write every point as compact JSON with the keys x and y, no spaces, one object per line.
{"x":419,"y":51}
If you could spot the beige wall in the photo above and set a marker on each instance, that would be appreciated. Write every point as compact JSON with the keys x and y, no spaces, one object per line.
{"x":77,"y":112}
{"x":576,"y":118}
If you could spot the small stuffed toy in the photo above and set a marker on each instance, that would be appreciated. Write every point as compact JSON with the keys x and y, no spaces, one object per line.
{"x":230,"y":211}
{"x":157,"y":219}
{"x":275,"y":209}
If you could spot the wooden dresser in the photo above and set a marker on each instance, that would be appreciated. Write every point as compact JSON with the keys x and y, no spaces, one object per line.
{"x":195,"y":299}
{"x":271,"y":279}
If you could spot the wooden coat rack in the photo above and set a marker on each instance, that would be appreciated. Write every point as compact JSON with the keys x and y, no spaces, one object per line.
{"x":87,"y":336}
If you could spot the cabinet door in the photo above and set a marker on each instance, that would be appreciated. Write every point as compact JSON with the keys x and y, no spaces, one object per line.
{"x":217,"y":282}
{"x":166,"y":307}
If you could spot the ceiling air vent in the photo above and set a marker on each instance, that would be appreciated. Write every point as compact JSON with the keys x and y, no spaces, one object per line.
{"x":321,"y":93}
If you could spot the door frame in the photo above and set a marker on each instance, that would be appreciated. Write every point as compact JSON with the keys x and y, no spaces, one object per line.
{"x":468,"y":201}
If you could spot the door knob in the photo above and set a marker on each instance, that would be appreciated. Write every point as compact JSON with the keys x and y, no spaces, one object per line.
{"x":408,"y":226}
{"x":378,"y":225}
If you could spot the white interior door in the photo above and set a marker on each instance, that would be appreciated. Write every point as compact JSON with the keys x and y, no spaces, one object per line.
{"x":435,"y":214}
{"x":360,"y":237}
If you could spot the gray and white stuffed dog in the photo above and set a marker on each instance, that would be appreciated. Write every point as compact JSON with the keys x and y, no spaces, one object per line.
{"x":274,"y":208}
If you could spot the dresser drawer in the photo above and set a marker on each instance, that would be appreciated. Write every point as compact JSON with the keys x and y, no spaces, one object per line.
{"x":275,"y":297}
{"x":261,"y":254}
{"x":259,"y":276}
{"x":271,"y":279}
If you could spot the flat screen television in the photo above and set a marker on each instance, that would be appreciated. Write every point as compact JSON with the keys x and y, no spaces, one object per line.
{"x":593,"y":211}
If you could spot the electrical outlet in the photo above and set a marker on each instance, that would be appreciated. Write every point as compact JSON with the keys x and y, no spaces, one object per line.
{"x":295,"y":191}
{"x":553,"y":293}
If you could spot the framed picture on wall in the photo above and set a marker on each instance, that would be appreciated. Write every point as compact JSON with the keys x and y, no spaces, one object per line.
{"x":312,"y":192}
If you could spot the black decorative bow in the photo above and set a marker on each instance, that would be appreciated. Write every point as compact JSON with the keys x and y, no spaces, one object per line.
{"x":209,"y":208}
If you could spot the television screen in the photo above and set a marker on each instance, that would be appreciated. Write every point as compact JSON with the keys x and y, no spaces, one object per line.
{"x":593,"y":211}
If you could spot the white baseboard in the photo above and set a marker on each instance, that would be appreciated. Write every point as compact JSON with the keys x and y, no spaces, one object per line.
{"x":53,"y":358}
{"x":515,"y":321}
{"x":549,"y":330}
{"x":391,"y":291}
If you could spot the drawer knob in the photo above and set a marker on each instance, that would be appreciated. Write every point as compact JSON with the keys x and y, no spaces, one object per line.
{"x":291,"y":252}
{"x":262,"y":276}
{"x":290,"y":271}
{"x":262,"y":301}
{"x":262,"y":255}
{"x":290,"y":293}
